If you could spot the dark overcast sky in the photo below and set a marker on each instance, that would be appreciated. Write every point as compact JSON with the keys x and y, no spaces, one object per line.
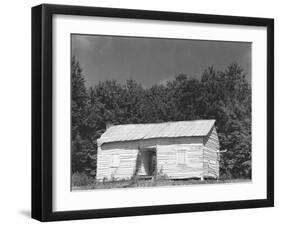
{"x":152,"y":60}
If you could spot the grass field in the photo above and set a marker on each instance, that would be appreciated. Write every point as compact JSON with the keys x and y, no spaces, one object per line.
{"x":152,"y":183}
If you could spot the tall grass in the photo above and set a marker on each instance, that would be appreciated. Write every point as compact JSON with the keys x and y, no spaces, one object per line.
{"x":81,"y":179}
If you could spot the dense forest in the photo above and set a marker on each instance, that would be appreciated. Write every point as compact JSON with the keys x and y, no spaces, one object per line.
{"x":221,"y":95}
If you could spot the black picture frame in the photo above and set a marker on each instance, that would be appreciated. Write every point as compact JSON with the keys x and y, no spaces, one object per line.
{"x":42,"y":107}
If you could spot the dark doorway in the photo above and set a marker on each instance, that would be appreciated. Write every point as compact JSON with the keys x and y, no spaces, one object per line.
{"x":148,"y":162}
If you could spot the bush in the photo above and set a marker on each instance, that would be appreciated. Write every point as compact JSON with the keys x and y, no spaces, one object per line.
{"x":81,"y":179}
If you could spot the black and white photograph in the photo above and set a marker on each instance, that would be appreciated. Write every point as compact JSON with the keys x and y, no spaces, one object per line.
{"x":145,"y":112}
{"x":148,"y":112}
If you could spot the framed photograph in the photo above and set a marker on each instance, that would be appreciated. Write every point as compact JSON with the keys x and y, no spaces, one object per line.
{"x":145,"y":112}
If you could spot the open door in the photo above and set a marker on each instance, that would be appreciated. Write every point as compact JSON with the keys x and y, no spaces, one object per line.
{"x":148,"y":162}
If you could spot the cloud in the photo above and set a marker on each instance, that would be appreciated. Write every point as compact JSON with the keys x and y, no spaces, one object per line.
{"x":166,"y":80}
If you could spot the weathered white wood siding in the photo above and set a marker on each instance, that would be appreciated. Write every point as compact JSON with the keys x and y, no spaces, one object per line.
{"x":211,"y":154}
{"x":166,"y":155}
{"x":167,"y":163}
{"x":127,"y":162}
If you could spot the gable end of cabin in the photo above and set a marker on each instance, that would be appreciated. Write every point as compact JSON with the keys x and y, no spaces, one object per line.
{"x":211,"y":154}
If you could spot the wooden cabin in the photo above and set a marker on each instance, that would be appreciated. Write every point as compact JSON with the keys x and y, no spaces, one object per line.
{"x":174,"y":150}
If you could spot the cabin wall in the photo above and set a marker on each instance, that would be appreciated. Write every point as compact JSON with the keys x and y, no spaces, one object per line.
{"x":127,"y":155}
{"x":167,"y":149}
{"x":211,"y":154}
{"x":169,"y":166}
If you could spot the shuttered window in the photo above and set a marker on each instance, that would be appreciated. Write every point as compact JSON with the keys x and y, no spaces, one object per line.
{"x":181,"y":157}
{"x":115,"y":160}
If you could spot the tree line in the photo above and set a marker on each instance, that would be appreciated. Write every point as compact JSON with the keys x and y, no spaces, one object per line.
{"x":224,"y":95}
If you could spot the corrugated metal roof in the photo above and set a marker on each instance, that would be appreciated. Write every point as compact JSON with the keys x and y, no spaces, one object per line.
{"x":130,"y":132}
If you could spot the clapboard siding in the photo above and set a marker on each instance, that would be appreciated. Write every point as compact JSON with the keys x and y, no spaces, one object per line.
{"x":201,"y":157}
{"x":211,"y":154}
{"x":167,"y":160}
{"x":126,"y":166}
{"x":166,"y":157}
